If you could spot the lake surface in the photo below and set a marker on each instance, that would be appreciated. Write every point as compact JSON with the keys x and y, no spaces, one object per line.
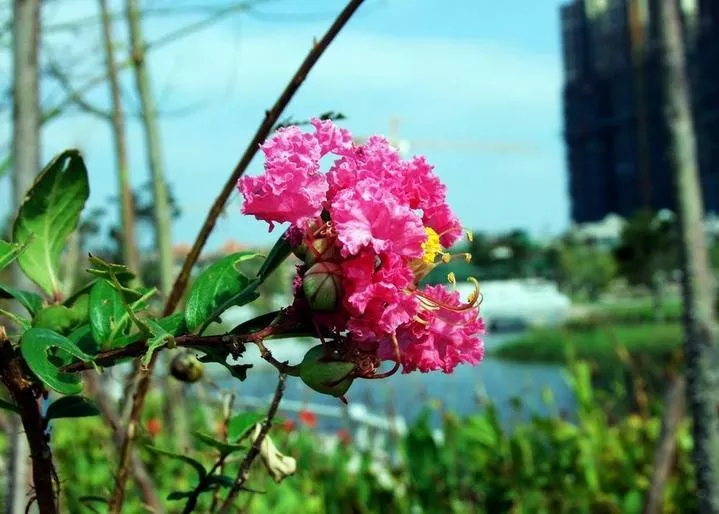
{"x":516,"y":389}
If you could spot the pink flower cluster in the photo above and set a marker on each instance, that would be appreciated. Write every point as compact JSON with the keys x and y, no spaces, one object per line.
{"x":375,"y":224}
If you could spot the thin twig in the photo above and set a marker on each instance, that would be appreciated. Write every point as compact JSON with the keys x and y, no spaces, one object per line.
{"x":263,"y":131}
{"x":254,"y":451}
{"x":164,"y":40}
{"x":178,"y":289}
{"x":53,"y":69}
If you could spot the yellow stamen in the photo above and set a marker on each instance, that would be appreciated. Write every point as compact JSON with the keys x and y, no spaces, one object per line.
{"x":475,"y":294}
{"x":431,"y":247}
{"x":469,"y":234}
{"x":452,"y":278}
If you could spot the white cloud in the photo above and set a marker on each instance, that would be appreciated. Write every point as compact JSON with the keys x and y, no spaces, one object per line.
{"x":481,"y":73}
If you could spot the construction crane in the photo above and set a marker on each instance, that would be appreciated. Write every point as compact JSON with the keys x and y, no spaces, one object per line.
{"x":457,"y":145}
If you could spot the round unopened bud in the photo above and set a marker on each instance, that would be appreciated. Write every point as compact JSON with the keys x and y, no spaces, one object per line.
{"x":326,"y":375}
{"x":322,"y":286}
{"x":321,"y":250}
{"x":186,"y":368}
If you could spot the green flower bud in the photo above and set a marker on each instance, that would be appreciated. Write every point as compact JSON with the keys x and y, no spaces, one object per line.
{"x":322,"y":286}
{"x":323,"y":374}
{"x":186,"y":368}
{"x":321,"y":250}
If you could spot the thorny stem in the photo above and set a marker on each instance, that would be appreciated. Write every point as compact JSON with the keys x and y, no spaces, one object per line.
{"x":244,"y":470}
{"x":144,"y":376}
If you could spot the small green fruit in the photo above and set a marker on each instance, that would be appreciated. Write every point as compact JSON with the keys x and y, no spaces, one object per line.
{"x":187,"y":368}
{"x":322,"y":285}
{"x":325,"y":375}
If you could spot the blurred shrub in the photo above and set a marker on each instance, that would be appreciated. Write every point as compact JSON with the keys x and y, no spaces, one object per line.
{"x":593,"y":464}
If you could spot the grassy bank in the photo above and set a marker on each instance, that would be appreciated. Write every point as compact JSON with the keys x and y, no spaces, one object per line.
{"x":636,"y":312}
{"x":601,"y":344}
{"x":642,"y":358}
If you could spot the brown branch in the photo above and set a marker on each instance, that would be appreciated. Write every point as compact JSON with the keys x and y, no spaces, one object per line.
{"x":246,"y":464}
{"x":138,"y":348}
{"x":145,"y":374}
{"x":24,"y":395}
{"x":263,"y":131}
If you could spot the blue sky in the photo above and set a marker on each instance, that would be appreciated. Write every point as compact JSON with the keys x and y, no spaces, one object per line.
{"x":480,"y":70}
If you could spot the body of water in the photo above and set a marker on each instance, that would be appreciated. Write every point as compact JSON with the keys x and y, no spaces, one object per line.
{"x":518,"y":390}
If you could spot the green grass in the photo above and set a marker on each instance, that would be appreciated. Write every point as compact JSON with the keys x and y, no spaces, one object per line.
{"x":598,"y":344}
{"x":639,"y":312}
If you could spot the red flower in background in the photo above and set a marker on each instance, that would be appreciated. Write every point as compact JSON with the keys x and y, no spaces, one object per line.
{"x":344,"y":436}
{"x":288,"y":425}
{"x":308,"y":418}
{"x":154,"y":427}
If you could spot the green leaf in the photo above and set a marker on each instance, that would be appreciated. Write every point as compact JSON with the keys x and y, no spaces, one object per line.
{"x":35,"y":348}
{"x":302,"y":328}
{"x":279,"y":252}
{"x":241,"y":423}
{"x":108,"y":318}
{"x":217,"y":288}
{"x":93,"y":499}
{"x":79,"y":309}
{"x":174,"y":324}
{"x":9,"y":252}
{"x":160,"y":337}
{"x":221,"y":480}
{"x":49,"y":214}
{"x":33,"y":302}
{"x":5,"y":405}
{"x":223,"y":447}
{"x":179,"y":495}
{"x":57,"y":318}
{"x":219,"y":355}
{"x":83,"y":290}
{"x":199,"y":468}
{"x":71,"y":407}
{"x":107,"y":270}
{"x":24,"y":323}
{"x":82,"y":337}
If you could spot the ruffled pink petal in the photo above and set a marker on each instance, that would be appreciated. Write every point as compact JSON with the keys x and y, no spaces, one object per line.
{"x":367,"y":216}
{"x":291,"y":189}
{"x":332,"y":139}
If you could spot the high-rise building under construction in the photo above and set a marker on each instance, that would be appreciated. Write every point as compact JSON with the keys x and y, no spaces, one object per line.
{"x":613,"y":128}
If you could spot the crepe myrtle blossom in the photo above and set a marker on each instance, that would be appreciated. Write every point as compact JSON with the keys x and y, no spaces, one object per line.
{"x":367,"y":231}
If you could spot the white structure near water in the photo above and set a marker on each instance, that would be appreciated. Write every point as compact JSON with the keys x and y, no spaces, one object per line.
{"x":527,"y":302}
